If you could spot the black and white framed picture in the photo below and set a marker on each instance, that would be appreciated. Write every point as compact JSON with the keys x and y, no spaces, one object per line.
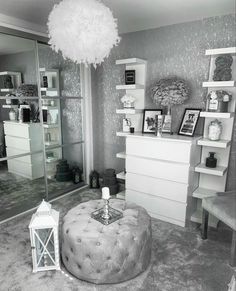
{"x":189,"y":121}
{"x":149,"y":116}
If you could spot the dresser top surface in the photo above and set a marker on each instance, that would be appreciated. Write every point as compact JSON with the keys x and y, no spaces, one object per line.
{"x":165,"y":137}
{"x":22,"y":123}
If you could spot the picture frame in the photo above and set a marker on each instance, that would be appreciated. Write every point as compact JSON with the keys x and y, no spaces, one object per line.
{"x":189,"y":121}
{"x":149,"y":120}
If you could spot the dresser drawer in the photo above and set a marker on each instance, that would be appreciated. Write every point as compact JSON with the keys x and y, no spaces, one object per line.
{"x":23,"y":130}
{"x":25,"y":144}
{"x":176,"y":172}
{"x":31,"y":171}
{"x":30,"y":159}
{"x":157,"y":187}
{"x":158,"y":206}
{"x":159,"y":149}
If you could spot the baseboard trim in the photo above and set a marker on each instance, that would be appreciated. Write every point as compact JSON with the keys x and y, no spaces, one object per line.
{"x":34,"y":208}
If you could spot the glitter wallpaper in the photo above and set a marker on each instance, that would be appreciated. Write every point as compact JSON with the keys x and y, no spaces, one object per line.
{"x":176,"y":50}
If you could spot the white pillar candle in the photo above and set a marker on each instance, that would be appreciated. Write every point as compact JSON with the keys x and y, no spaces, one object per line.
{"x":105,"y":193}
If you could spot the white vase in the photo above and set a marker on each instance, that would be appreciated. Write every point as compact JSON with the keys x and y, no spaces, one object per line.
{"x":12,"y":115}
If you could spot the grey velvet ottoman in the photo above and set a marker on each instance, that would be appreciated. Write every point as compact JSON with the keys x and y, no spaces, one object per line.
{"x":103,"y":254}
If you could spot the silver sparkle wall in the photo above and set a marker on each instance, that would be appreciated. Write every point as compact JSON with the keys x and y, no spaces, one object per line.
{"x":176,"y":50}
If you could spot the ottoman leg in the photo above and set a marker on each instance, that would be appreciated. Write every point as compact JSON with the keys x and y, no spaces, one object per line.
{"x":205,"y":215}
{"x":232,"y":261}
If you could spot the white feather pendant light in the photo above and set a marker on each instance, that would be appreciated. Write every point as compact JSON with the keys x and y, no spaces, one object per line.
{"x":83,"y":30}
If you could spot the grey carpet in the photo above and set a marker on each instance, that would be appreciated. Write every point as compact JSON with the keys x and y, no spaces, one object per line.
{"x":181,"y":261}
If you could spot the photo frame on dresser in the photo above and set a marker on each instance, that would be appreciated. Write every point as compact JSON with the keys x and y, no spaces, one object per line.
{"x":189,"y":121}
{"x":149,"y":120}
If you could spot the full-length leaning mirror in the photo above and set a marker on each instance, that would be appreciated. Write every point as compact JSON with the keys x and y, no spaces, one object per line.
{"x":41,"y":128}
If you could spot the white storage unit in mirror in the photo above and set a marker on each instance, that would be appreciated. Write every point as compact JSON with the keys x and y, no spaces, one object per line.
{"x":133,"y":114}
{"x":213,"y":180}
{"x":50,"y":94}
{"x":22,"y":138}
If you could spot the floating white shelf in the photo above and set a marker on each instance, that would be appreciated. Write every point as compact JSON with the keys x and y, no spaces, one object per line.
{"x":223,"y":144}
{"x":47,"y":107}
{"x":7,"y":89}
{"x":54,"y":125}
{"x":122,"y":133}
{"x":129,"y":111}
{"x":218,"y":171}
{"x":129,"y":87}
{"x":212,"y":84}
{"x":48,"y":70}
{"x":121,"y":195}
{"x":217,"y":114}
{"x":51,"y":143}
{"x":10,"y":106}
{"x":221,"y":51}
{"x":48,"y":89}
{"x":54,"y":160}
{"x":203,"y":193}
{"x":121,"y":175}
{"x":10,"y":73}
{"x":121,"y":155}
{"x":131,"y":61}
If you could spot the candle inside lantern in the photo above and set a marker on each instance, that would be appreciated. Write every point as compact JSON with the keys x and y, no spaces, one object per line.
{"x":105,"y":193}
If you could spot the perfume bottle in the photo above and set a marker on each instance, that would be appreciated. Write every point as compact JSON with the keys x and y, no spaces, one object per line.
{"x":211,"y":161}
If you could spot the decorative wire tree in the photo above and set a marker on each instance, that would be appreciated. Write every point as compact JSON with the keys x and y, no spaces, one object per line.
{"x":169,"y":92}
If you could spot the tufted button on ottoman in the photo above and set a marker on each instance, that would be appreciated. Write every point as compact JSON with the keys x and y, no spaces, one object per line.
{"x":111,"y":253}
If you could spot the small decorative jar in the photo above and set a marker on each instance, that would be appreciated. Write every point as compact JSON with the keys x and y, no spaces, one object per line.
{"x":128,"y":101}
{"x":211,"y":161}
{"x":214,"y":130}
{"x":12,"y":115}
{"x":217,"y":101}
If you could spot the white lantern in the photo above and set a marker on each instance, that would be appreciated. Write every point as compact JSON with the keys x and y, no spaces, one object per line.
{"x":44,"y":238}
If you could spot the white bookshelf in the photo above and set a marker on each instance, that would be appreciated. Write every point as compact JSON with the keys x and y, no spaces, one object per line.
{"x":16,"y":80}
{"x":213,"y":180}
{"x":50,"y":94}
{"x":121,"y":155}
{"x":136,"y":90}
{"x":217,"y":114}
{"x":212,"y":84}
{"x":129,"y":111}
{"x":214,"y":143}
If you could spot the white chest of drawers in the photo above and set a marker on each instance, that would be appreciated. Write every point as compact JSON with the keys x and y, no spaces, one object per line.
{"x":160,"y":175}
{"x":24,"y":138}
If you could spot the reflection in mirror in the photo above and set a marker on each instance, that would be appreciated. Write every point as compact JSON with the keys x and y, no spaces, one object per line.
{"x":62,"y":121}
{"x":65,"y":174}
{"x":22,"y":184}
{"x":21,"y":145}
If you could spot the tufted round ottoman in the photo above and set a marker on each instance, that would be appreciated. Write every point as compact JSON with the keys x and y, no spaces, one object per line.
{"x":111,"y":253}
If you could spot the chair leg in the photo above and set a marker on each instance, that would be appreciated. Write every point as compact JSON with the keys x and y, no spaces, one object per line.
{"x":232,"y":261}
{"x":205,"y":216}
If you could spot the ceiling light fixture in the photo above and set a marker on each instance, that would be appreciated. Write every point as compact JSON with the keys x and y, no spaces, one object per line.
{"x":83,"y":30}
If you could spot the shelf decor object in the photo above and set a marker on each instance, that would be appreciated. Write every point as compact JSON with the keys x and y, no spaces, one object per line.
{"x":44,"y":238}
{"x":189,"y":121}
{"x":218,"y":127}
{"x":93,"y":30}
{"x":149,"y":120}
{"x":107,"y":214}
{"x":169,"y":92}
